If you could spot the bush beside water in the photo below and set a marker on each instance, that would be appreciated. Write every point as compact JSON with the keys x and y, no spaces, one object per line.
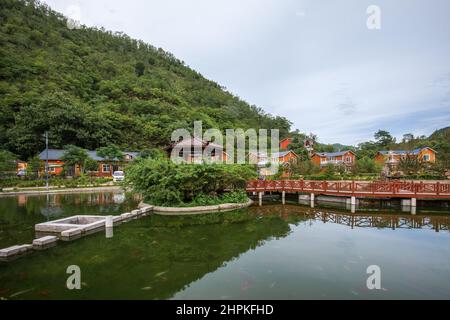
{"x":164,"y":183}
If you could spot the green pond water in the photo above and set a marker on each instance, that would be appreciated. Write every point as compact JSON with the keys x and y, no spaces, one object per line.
{"x":268,"y":252}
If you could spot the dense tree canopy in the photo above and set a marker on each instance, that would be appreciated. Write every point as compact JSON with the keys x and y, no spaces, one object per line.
{"x":90,"y":87}
{"x":163,"y":182}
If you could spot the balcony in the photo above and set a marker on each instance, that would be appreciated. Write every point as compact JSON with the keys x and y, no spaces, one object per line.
{"x":335,"y":162}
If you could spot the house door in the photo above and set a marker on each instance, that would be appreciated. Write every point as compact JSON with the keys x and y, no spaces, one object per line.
{"x":115,"y":168}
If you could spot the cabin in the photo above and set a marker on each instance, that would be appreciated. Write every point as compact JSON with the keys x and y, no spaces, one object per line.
{"x":263,"y":161}
{"x":195,"y":150}
{"x":105,"y":168}
{"x":391,"y":158}
{"x":347,"y":158}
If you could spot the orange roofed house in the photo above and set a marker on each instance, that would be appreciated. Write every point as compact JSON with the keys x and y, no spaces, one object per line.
{"x":347,"y":158}
{"x":391,"y":158}
{"x":262,"y":160}
{"x":195,"y":150}
{"x":105,"y":168}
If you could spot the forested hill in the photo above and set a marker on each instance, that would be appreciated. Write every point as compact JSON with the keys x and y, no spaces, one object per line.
{"x":90,"y":87}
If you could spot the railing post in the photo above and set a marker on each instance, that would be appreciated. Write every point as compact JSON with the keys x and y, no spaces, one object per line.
{"x":353,"y":186}
{"x":438,"y":187}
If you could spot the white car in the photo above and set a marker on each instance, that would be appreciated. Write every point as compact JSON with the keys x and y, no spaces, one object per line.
{"x":118,"y":176}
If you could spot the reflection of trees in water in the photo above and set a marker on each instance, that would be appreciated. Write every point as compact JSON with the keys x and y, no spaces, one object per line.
{"x":52,"y":212}
{"x":361,"y":220}
{"x":163,"y":254}
{"x":62,"y":199}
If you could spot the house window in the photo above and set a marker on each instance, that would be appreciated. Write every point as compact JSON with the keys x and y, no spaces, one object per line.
{"x":426,"y":157}
{"x":51,"y":169}
{"x":106,"y":168}
{"x":348,"y":159}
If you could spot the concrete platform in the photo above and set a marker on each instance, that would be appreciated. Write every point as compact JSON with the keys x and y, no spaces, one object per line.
{"x":45,"y":242}
{"x":60,"y":225}
{"x":12,"y":252}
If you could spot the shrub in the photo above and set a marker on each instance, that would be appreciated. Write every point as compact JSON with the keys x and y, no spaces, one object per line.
{"x":163,"y":182}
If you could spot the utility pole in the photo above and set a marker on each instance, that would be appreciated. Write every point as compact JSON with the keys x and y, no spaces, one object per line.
{"x":46,"y":159}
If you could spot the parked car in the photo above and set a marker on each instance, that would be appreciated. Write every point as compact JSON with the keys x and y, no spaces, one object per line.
{"x":118,"y":176}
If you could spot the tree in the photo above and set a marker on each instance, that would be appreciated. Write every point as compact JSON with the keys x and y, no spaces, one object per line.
{"x":35,"y":165}
{"x":306,"y":167}
{"x":90,"y":88}
{"x":299,"y":149}
{"x":163,"y":182}
{"x":407,"y":137}
{"x":367,"y":165}
{"x":383,"y":138}
{"x":153,"y":153}
{"x":90,"y":164}
{"x":110,"y":153}
{"x":409,"y":165}
{"x":74,"y":156}
{"x":330,"y":170}
{"x":139,"y":69}
{"x":7,"y":164}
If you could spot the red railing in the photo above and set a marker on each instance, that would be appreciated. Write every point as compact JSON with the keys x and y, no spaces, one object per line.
{"x":356,"y":188}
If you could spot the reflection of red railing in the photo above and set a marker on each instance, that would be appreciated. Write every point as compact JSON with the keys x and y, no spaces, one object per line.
{"x":397,"y":189}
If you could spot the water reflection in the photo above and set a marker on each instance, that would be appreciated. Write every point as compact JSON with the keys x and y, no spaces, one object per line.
{"x":19,"y":214}
{"x":109,"y":232}
{"x":267,"y":252}
{"x":361,"y":219}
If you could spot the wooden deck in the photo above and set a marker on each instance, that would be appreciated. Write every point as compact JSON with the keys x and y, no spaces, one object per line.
{"x":372,"y":189}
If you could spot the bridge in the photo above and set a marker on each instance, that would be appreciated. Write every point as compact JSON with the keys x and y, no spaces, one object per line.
{"x":355,"y":189}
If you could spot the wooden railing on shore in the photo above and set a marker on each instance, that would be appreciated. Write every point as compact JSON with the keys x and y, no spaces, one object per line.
{"x":383,"y":189}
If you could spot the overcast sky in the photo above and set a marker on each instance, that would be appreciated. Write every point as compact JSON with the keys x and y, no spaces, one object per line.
{"x":313,"y":61}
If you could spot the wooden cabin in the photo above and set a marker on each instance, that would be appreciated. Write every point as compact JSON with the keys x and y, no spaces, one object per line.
{"x":347,"y":158}
{"x":263,"y":161}
{"x":391,"y":158}
{"x":195,"y":150}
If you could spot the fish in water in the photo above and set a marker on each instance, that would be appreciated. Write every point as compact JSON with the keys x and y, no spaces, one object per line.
{"x":146,"y":288}
{"x":20,"y":292}
{"x":160,"y":273}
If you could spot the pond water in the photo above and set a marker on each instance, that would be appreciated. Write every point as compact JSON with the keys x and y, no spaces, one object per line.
{"x":19,"y":214}
{"x":268,"y":252}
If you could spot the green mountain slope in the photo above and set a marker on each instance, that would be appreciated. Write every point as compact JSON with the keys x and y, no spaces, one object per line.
{"x":91,"y":87}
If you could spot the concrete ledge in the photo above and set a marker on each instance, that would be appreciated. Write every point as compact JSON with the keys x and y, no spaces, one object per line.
{"x":200,"y":209}
{"x":13,"y":251}
{"x":43,"y":190}
{"x":45,"y":242}
{"x":71,"y":234}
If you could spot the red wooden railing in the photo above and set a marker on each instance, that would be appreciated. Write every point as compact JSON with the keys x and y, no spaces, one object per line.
{"x":391,"y":189}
